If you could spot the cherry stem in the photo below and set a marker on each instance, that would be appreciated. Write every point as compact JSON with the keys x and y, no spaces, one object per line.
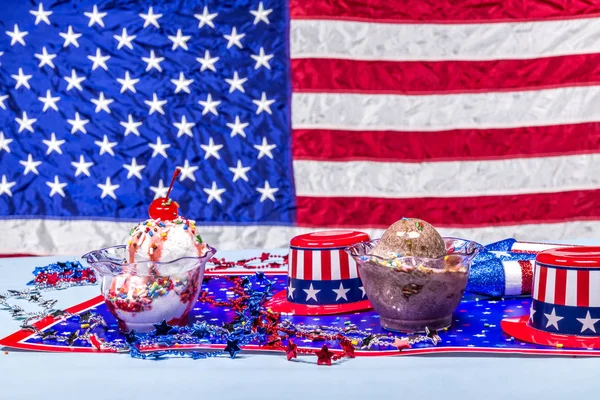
{"x":175,"y":175}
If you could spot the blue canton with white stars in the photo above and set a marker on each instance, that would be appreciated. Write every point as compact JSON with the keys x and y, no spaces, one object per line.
{"x":100,"y":101}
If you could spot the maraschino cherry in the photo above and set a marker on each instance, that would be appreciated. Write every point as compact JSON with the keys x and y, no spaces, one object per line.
{"x":164,"y":208}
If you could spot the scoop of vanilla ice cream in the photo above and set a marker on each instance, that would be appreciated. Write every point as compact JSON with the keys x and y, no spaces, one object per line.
{"x":162,"y":241}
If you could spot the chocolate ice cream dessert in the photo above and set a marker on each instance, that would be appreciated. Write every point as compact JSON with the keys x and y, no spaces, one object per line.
{"x":413,"y":277}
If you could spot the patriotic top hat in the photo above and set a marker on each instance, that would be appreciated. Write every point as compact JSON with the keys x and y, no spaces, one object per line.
{"x":322,"y":278}
{"x":565,"y":304}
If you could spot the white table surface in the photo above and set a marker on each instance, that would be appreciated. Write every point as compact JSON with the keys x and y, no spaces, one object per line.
{"x":31,"y":375}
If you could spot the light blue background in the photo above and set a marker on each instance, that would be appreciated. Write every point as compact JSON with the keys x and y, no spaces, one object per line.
{"x":28,"y":375}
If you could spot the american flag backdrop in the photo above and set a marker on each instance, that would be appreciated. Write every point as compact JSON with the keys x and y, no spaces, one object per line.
{"x":479,"y":117}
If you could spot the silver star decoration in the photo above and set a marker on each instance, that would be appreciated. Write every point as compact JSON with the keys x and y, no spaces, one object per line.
{"x":41,"y":15}
{"x":262,"y":59}
{"x":124,"y":39}
{"x":234,"y":39}
{"x":74,"y":81}
{"x":239,"y":172}
{"x":207,"y":62}
{"x":155,"y":105}
{"x":237,"y":128}
{"x":264,"y":149}
{"x":95,"y":17}
{"x":184,"y":127}
{"x":261,"y":14}
{"x":82,"y":167}
{"x":134,"y":169}
{"x":236,"y":83}
{"x":5,"y":186}
{"x":182,"y":84}
{"x":211,"y":149}
{"x":22,"y":79}
{"x":30,"y":165}
{"x":25,"y":123}
{"x":263,"y":104}
{"x":102,"y":103}
{"x":127,"y":83}
{"x":209,"y":105}
{"x":56,"y":187}
{"x":49,"y":101}
{"x":78,"y":124}
{"x":16,"y":36}
{"x":267,"y":192}
{"x":131,"y":126}
{"x":53,"y":144}
{"x":214,"y":193}
{"x":153,"y":61}
{"x":45,"y":58}
{"x":108,"y":189}
{"x":4,"y":142}
{"x":150,"y":18}
{"x":99,"y":60}
{"x":179,"y":40}
{"x":70,"y":37}
{"x":187,"y":172}
{"x":106,"y":146}
{"x":159,"y":148}
{"x":205,"y":18}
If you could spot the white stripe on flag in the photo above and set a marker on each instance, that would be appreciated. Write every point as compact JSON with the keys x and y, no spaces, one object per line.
{"x":594,"y":289}
{"x":438,"y":179}
{"x":550,"y":283}
{"x":355,"y":112}
{"x":421,"y":41}
{"x":571,"y":294}
{"x":300,"y":267}
{"x":536,"y":281}
{"x":512,"y":278}
{"x":316,"y":265}
{"x":76,"y":237}
{"x":335,"y":265}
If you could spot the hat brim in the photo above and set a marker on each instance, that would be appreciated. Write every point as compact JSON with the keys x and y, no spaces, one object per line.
{"x":519,"y":328}
{"x":279,"y":303}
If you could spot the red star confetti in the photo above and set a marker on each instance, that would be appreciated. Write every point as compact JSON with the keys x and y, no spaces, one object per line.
{"x":324,"y":356}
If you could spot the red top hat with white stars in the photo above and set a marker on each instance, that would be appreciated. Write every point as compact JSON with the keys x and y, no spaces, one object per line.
{"x":322,"y":278}
{"x":565,"y":304}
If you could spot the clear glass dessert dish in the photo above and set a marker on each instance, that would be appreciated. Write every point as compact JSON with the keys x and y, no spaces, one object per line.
{"x":141,"y":294}
{"x":412,"y":293}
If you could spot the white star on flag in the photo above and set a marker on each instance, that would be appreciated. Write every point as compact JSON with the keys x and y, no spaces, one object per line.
{"x":261,"y":14}
{"x":108,"y":189}
{"x":49,"y":101}
{"x":99,"y":60}
{"x":214,"y":193}
{"x":5,"y":186}
{"x":239,"y":172}
{"x":211,"y":149}
{"x":78,"y":124}
{"x":311,"y":293}
{"x":207,"y":62}
{"x":262,"y":59}
{"x":267,"y":192}
{"x":553,"y":319}
{"x":131,"y":126}
{"x":150,"y":18}
{"x":4,"y":142}
{"x":159,"y":148}
{"x":209,"y":105}
{"x":205,"y":18}
{"x":45,"y":58}
{"x":2,"y":98}
{"x":134,"y":169}
{"x":187,"y":171}
{"x":82,"y":167}
{"x":264,"y":149}
{"x":30,"y":165}
{"x":74,"y":81}
{"x":95,"y":17}
{"x":56,"y":187}
{"x":341,"y":292}
{"x":127,"y":83}
{"x":179,"y":40}
{"x":22,"y":79}
{"x":25,"y":123}
{"x":41,"y":15}
{"x":263,"y":104}
{"x":106,"y":146}
{"x":236,"y":83}
{"x":155,"y":104}
{"x":124,"y":40}
{"x":70,"y":37}
{"x":160,"y":190}
{"x":182,"y":84}
{"x":184,"y":127}
{"x":102,"y":103}
{"x":53,"y":144}
{"x":233,"y":39}
{"x":237,"y":128}
{"x":153,"y":62}
{"x":16,"y":36}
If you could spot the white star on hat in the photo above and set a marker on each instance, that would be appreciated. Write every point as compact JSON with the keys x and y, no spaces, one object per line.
{"x":311,"y":293}
{"x":553,"y":319}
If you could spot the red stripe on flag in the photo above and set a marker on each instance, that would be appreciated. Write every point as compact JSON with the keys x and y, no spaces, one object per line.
{"x":344,"y":265}
{"x":294,"y":264}
{"x":326,"y":265}
{"x":466,"y":11}
{"x":454,"y":145}
{"x":451,"y":211}
{"x":308,"y":263}
{"x":583,"y":288}
{"x":443,"y":77}
{"x":542,"y":283}
{"x":526,"y":276}
{"x":560,"y":287}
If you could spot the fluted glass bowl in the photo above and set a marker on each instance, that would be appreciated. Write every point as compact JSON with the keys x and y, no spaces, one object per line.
{"x":412,"y":293}
{"x":141,"y":294}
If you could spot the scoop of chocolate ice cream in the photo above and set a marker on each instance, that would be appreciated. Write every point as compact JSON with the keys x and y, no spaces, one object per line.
{"x":410,"y":237}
